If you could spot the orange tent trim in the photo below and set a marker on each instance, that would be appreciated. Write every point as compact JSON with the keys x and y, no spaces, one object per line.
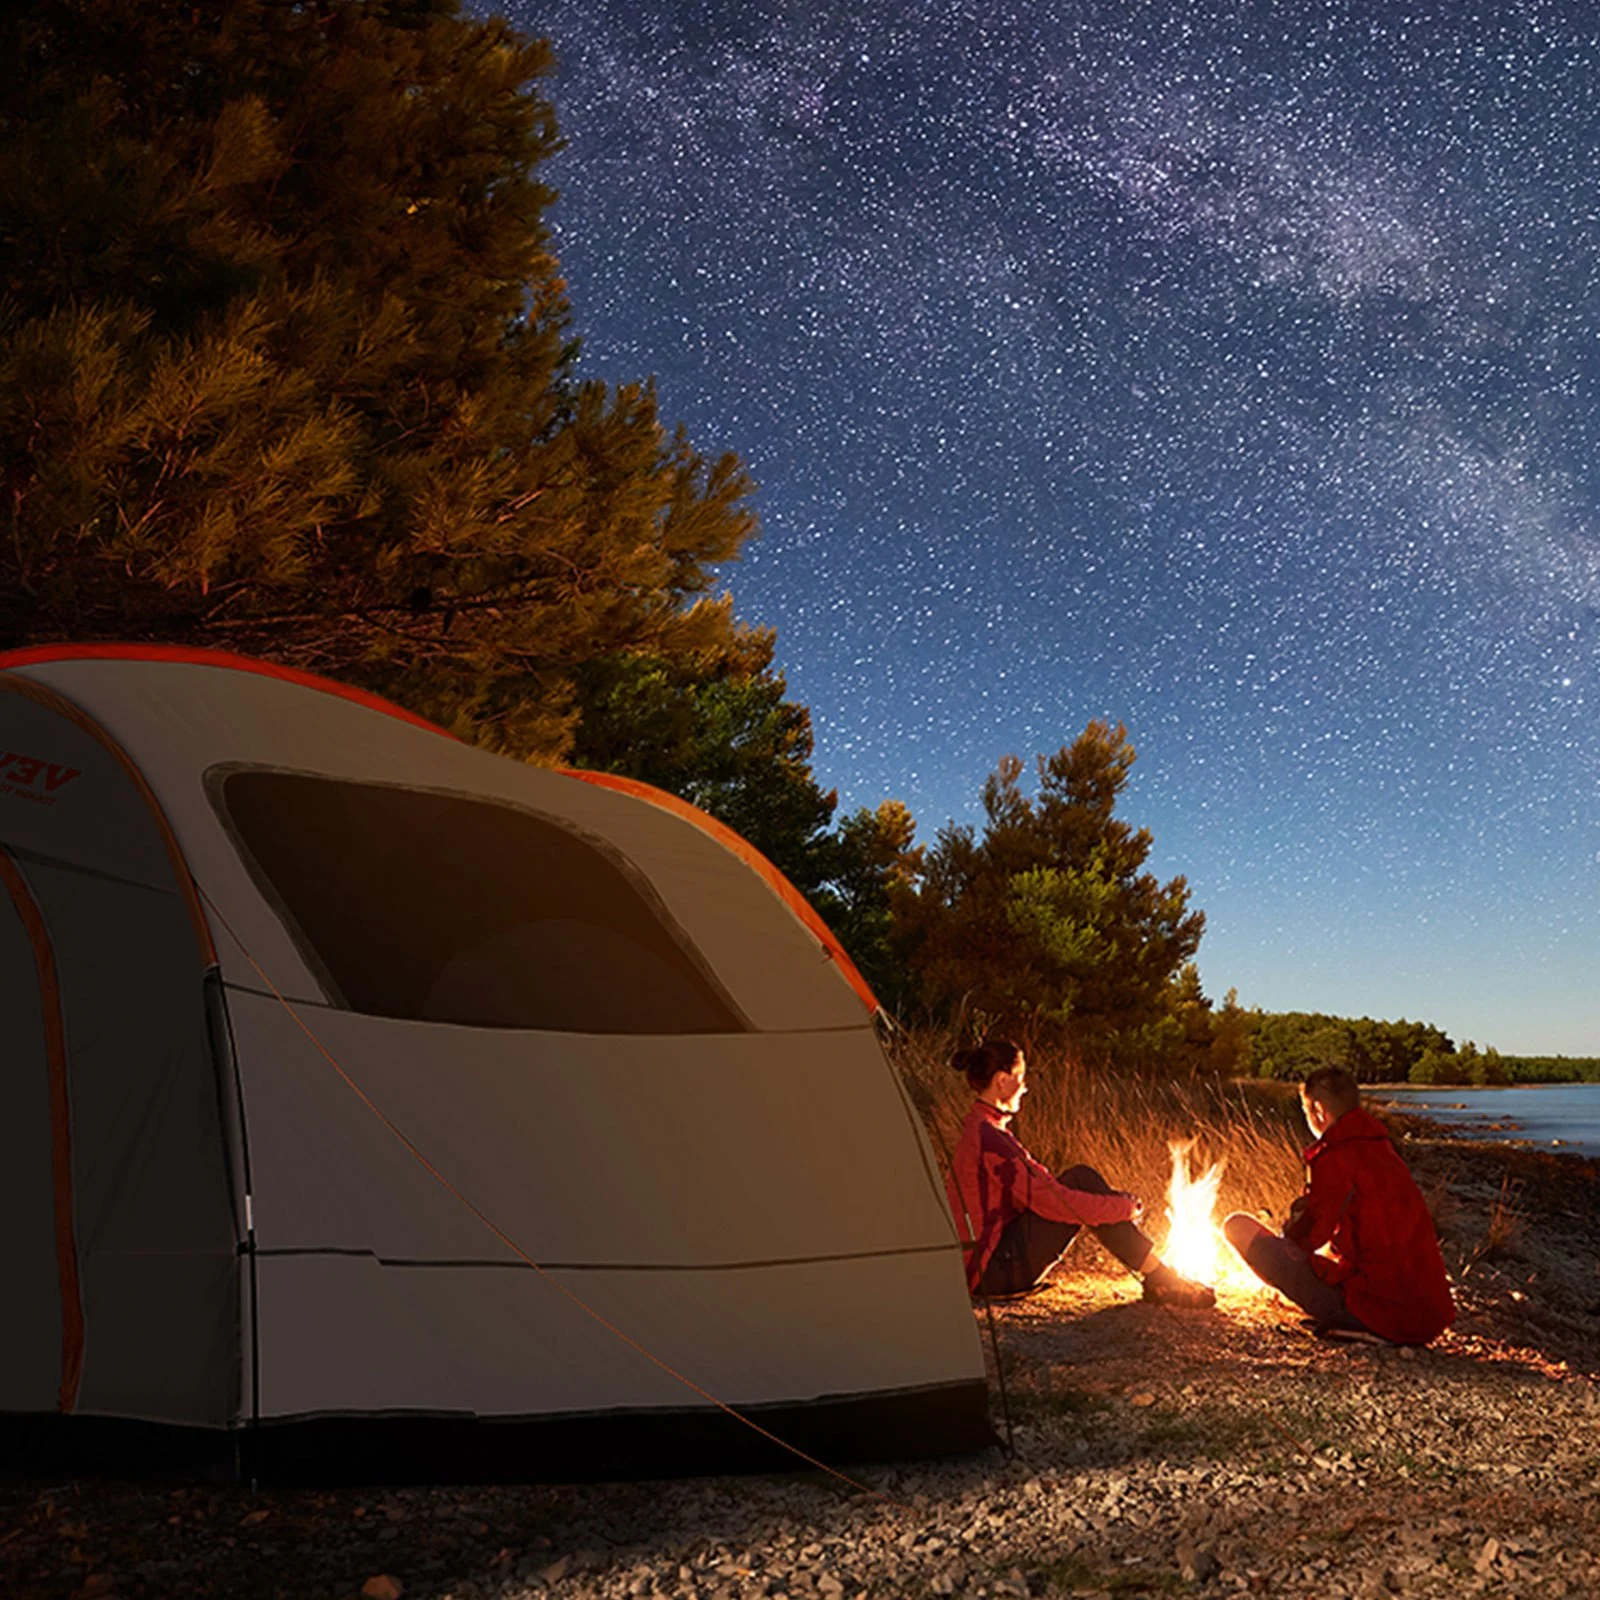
{"x":724,"y":835}
{"x":55,"y":1049}
{"x":753,"y":858}
{"x":37,"y":655}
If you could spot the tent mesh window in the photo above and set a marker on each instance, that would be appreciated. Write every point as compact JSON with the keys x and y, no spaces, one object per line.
{"x":439,"y":908}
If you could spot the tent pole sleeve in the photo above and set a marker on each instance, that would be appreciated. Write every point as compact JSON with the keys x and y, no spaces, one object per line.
{"x":55,"y":1043}
{"x":230,"y":1100}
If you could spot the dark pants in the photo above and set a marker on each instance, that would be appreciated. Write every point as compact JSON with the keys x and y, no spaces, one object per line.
{"x":1030,"y":1244}
{"x":1287,"y":1268}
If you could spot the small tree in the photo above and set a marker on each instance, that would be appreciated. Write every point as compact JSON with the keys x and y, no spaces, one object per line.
{"x":1232,"y":1030}
{"x":1188,"y":1042}
{"x":874,"y":862}
{"x":1048,"y":921}
{"x":1434,"y":1066}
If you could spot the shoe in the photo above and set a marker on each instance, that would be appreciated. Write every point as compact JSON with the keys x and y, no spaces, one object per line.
{"x":1352,"y":1336}
{"x":1164,"y":1287}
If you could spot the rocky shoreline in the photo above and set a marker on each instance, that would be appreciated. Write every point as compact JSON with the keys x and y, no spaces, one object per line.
{"x":1152,"y":1453}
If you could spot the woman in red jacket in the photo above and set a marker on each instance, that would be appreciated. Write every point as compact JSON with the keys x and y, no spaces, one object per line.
{"x":1383,"y":1274}
{"x":1015,"y":1217}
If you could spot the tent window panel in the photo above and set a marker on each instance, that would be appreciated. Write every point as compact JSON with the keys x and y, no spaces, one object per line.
{"x":437,"y":908}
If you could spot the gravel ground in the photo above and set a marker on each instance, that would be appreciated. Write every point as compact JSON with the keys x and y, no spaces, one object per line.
{"x":1154,"y":1453}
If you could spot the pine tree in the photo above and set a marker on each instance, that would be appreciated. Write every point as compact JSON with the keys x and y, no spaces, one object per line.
{"x":1048,"y":923}
{"x":286,"y":363}
{"x":715,"y":728}
{"x":874,"y":863}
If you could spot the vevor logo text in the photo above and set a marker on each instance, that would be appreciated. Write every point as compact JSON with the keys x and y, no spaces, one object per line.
{"x":29,"y":778}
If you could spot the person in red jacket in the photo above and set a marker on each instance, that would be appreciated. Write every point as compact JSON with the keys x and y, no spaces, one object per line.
{"x":1015,"y":1218}
{"x":1382,"y":1273}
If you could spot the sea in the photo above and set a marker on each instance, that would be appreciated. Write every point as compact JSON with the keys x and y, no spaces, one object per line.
{"x":1564,"y":1117}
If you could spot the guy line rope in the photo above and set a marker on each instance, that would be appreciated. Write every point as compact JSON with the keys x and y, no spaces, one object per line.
{"x":516,"y":1249}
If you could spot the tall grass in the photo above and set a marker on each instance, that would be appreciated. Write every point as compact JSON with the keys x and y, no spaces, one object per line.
{"x":1123,"y":1126}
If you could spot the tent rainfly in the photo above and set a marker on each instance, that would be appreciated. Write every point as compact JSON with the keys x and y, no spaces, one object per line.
{"x":258,"y":930}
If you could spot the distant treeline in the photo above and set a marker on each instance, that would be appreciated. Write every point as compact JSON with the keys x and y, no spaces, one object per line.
{"x":1553,"y":1069}
{"x":1289,"y":1044}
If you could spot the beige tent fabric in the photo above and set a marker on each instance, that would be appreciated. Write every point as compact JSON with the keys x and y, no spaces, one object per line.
{"x":179,"y":719}
{"x":729,"y":1183}
{"x":64,"y":796}
{"x":757,"y":1206}
{"x":507,"y":1344}
{"x":595,"y":1149}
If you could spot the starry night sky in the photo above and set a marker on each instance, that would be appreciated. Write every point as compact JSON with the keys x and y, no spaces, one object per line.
{"x":1226,"y":369}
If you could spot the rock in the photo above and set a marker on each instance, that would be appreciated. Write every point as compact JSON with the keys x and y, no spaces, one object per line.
{"x":382,"y":1587}
{"x":1143,"y":1398}
{"x":557,"y":1570}
{"x":1196,"y":1565}
{"x":1486,"y":1556}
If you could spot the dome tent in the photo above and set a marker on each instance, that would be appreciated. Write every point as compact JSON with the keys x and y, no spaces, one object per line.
{"x":602,"y":1018}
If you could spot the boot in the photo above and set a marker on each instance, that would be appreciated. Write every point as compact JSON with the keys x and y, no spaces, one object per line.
{"x":1164,"y":1287}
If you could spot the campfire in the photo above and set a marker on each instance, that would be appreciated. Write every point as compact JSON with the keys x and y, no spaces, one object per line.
{"x":1195,"y":1247}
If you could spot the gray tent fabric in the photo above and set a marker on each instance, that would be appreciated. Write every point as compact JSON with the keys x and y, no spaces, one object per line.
{"x":157,"y":1251}
{"x":285,"y":923}
{"x":151,"y":1219}
{"x":31,"y":1357}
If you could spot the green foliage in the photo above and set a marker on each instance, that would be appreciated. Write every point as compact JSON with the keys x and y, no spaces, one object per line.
{"x":1468,"y":1065}
{"x":1192,"y":1026}
{"x":873,"y":862}
{"x":285,"y":363}
{"x":1231,"y":1028}
{"x":1047,"y":924}
{"x":1552,"y":1069}
{"x":1434,"y":1065}
{"x":1293,"y":1043}
{"x":1290,"y":1044}
{"x":716,"y":729}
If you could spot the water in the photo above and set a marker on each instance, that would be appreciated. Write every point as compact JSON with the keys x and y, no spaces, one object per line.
{"x":1558,"y":1116}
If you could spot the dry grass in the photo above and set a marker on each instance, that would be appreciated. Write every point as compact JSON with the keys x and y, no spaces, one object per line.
{"x":1123,"y":1126}
{"x":1503,"y":1227}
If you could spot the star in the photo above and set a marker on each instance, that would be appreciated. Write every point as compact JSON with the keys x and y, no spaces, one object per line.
{"x":1225,"y":372}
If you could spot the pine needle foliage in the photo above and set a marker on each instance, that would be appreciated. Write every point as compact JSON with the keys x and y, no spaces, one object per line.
{"x":717,"y":730}
{"x":286,"y":363}
{"x":1047,"y":924}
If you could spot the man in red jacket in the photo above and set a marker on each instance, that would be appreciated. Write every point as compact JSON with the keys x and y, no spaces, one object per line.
{"x":1382,"y":1273}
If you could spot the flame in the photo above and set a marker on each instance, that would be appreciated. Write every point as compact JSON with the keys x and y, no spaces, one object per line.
{"x":1195,"y":1247}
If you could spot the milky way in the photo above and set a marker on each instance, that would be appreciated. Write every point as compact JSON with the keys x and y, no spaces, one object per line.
{"x":1226,"y":369}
